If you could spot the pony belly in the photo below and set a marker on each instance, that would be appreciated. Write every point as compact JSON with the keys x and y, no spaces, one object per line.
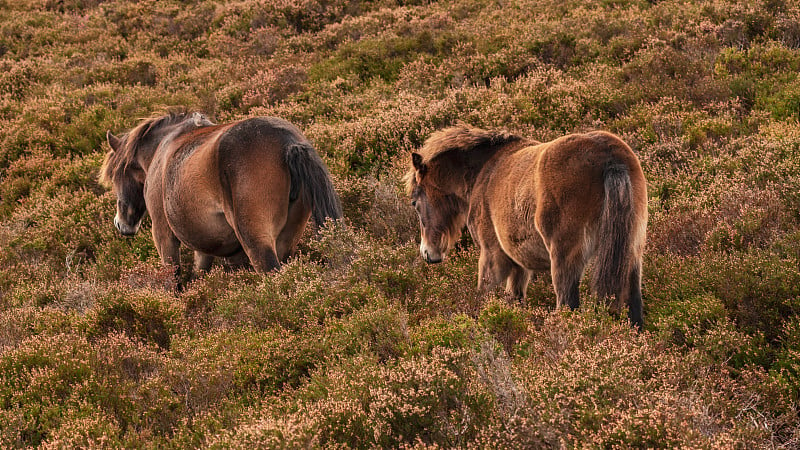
{"x":210,"y":234}
{"x":529,"y":252}
{"x":519,"y":237}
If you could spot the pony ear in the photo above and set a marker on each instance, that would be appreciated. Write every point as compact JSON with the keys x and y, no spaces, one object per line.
{"x":113,"y":141}
{"x":416,"y":159}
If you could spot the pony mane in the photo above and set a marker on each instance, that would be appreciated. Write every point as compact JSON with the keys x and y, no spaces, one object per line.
{"x":117,"y":160}
{"x":459,"y":138}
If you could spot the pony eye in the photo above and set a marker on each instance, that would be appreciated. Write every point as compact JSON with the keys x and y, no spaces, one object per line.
{"x":413,"y":203}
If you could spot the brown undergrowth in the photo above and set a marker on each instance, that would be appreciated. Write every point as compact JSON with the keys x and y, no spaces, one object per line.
{"x":356,"y":342}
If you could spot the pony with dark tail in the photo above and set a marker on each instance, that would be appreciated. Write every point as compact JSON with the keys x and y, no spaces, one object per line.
{"x":618,"y":267}
{"x":243,"y":191}
{"x":533,"y":207}
{"x":310,"y":180}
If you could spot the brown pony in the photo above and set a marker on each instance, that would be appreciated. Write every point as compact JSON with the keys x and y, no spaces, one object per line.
{"x":243,"y":191}
{"x":535,"y":207}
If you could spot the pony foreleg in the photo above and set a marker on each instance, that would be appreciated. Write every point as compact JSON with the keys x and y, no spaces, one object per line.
{"x":487,"y":279}
{"x":168,"y":247}
{"x":202,"y":262}
{"x":494,"y":269}
{"x":517,"y":282}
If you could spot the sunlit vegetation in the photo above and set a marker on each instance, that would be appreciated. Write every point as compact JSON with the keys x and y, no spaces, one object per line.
{"x":357,"y":342}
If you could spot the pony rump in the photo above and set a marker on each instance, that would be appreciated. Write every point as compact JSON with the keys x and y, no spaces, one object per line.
{"x":311,"y":181}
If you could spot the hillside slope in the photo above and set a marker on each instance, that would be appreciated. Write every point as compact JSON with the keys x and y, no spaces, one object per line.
{"x":357,"y":342}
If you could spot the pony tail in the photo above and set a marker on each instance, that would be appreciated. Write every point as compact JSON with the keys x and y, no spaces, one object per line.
{"x":614,"y":240}
{"x":311,"y":180}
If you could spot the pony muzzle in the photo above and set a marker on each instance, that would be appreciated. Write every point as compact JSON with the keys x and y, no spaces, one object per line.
{"x":429,"y":254}
{"x":125,"y":229}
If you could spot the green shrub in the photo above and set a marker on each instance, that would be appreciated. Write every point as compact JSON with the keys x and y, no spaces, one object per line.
{"x":356,"y":341}
{"x":507,"y":324}
{"x":151,"y":317}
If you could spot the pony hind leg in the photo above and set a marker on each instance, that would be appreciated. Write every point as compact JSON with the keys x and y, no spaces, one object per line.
{"x":259,"y":205}
{"x":635,"y":314}
{"x":261,"y":252}
{"x":566,"y":269}
{"x":296,"y":221}
{"x":255,"y":230}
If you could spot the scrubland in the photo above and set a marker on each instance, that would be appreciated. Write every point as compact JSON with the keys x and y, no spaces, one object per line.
{"x":356,"y":342}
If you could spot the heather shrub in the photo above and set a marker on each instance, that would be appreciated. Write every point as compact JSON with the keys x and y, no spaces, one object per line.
{"x":379,"y":207}
{"x":85,"y":427}
{"x":356,"y":341}
{"x":759,"y":290}
{"x":614,"y":367}
{"x":22,"y":323}
{"x":50,"y":384}
{"x":507,"y":324}
{"x":455,"y":332}
{"x":787,"y":366}
{"x":151,"y":317}
{"x":378,"y":330}
{"x":38,"y":378}
{"x":213,"y":366}
{"x":425,"y":400}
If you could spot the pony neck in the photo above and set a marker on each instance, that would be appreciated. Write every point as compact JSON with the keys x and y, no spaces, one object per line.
{"x":145,"y":154}
{"x":478,"y":160}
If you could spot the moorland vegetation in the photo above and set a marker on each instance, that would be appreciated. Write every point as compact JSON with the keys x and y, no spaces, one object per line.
{"x":357,"y":342}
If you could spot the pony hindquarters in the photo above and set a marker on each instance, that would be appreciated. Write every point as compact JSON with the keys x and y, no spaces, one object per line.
{"x":275,"y":182}
{"x":612,"y":233}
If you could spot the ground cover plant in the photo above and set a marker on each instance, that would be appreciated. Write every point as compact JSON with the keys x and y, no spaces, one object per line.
{"x":357,"y":342}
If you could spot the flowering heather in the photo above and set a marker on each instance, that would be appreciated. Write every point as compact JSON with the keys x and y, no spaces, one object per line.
{"x":356,"y":342}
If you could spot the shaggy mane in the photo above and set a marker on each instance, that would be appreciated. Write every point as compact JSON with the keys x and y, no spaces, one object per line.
{"x":461,"y":137}
{"x":116,"y":161}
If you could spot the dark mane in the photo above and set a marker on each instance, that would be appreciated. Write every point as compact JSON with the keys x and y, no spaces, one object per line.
{"x":460,"y":138}
{"x":117,"y":160}
{"x":463,"y":137}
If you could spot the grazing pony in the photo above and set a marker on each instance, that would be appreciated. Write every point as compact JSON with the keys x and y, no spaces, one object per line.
{"x":535,"y":207}
{"x":243,"y":191}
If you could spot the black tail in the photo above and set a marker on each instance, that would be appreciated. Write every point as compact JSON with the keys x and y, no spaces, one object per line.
{"x":311,"y":180}
{"x":614,"y":238}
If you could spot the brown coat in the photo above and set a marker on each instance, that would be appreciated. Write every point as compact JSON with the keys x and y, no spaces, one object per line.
{"x":536,"y":207}
{"x":243,"y":191}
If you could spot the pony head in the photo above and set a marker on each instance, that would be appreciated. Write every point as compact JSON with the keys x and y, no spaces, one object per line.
{"x":440,"y":183}
{"x":125,"y":167}
{"x":441,"y":212}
